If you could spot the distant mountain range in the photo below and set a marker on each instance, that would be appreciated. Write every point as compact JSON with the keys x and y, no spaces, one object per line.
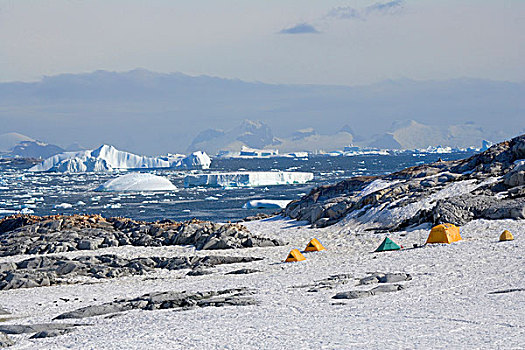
{"x":401,"y":135}
{"x":17,"y":145}
{"x":154,"y":113}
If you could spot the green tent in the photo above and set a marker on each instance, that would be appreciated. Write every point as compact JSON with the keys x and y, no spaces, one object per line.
{"x":387,"y":244}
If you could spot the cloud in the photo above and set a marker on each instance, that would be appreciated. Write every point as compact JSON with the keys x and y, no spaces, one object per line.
{"x":386,"y":7}
{"x":344,"y":12}
{"x":301,"y":28}
{"x":347,"y":12}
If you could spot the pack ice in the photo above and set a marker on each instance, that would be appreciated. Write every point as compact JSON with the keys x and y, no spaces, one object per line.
{"x":107,"y":158}
{"x":247,"y":179}
{"x":137,"y":182}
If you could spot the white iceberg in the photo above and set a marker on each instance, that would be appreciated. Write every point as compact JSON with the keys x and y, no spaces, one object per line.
{"x":266,"y":204}
{"x":63,"y":206}
{"x":137,"y":182}
{"x":107,"y":158}
{"x":247,"y":179}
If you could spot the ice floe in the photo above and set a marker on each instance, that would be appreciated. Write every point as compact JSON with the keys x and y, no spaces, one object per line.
{"x":247,"y":179}
{"x":137,"y":182}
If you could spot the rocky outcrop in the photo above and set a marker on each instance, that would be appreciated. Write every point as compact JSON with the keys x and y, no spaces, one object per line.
{"x":489,"y":185}
{"x":167,"y":300}
{"x":27,"y":234}
{"x":35,"y":328}
{"x":51,"y":270}
{"x":388,"y":282}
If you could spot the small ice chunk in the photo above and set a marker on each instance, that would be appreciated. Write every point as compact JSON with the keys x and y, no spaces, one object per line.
{"x":63,"y":205}
{"x":266,"y":203}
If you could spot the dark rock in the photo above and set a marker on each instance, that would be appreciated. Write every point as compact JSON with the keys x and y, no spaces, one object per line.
{"x":242,"y":272}
{"x":54,"y":234}
{"x":386,"y":288}
{"x":394,"y":277}
{"x":52,"y":270}
{"x":199,"y":272}
{"x":353,"y":294}
{"x":167,"y":300}
{"x":34,"y":328}
{"x":50,"y":333}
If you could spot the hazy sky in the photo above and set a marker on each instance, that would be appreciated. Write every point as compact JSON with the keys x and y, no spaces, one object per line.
{"x":277,"y":41}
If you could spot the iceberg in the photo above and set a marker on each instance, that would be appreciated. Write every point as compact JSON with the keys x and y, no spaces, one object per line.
{"x":107,"y":158}
{"x":247,"y":179}
{"x":266,"y":203}
{"x":137,"y":182}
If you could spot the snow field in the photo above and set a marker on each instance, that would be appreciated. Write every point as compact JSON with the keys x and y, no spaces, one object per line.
{"x":446,"y":305}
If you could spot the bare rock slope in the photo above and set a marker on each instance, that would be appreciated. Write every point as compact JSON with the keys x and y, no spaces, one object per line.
{"x":488,"y":185}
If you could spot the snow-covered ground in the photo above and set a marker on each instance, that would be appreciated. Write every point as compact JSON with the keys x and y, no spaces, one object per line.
{"x":447,"y":304}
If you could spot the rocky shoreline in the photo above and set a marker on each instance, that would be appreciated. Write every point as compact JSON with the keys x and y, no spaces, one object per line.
{"x":489,"y":185}
{"x":29,"y":234}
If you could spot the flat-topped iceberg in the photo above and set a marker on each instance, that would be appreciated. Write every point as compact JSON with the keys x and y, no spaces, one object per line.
{"x":107,"y":158}
{"x":137,"y":182}
{"x":247,"y":179}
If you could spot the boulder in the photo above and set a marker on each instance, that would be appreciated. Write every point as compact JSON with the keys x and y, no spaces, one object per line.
{"x":386,"y":288}
{"x":353,"y":294}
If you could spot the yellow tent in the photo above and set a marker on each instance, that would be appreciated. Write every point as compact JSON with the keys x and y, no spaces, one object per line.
{"x":444,"y":233}
{"x":295,"y":255}
{"x":506,"y":236}
{"x":314,"y":246}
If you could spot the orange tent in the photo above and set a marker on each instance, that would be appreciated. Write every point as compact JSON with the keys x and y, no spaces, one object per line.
{"x":444,"y":233}
{"x":506,"y":236}
{"x":314,"y":246}
{"x":295,"y":255}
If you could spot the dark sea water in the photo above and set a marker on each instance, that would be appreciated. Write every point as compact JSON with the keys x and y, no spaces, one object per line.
{"x":53,"y":193}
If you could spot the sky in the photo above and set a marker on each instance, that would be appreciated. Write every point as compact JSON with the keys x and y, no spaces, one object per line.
{"x":273,"y":41}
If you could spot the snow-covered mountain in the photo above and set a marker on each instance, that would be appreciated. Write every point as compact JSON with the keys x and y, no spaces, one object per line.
{"x":11,"y":139}
{"x":107,"y":158}
{"x":184,"y":105}
{"x":310,"y":140}
{"x":410,"y":134}
{"x":253,"y":134}
{"x":14,"y":144}
{"x":258,"y":135}
{"x":35,"y":149}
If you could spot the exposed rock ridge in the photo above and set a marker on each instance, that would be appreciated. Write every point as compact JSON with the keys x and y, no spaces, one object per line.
{"x":496,"y":179}
{"x":28,"y":234}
